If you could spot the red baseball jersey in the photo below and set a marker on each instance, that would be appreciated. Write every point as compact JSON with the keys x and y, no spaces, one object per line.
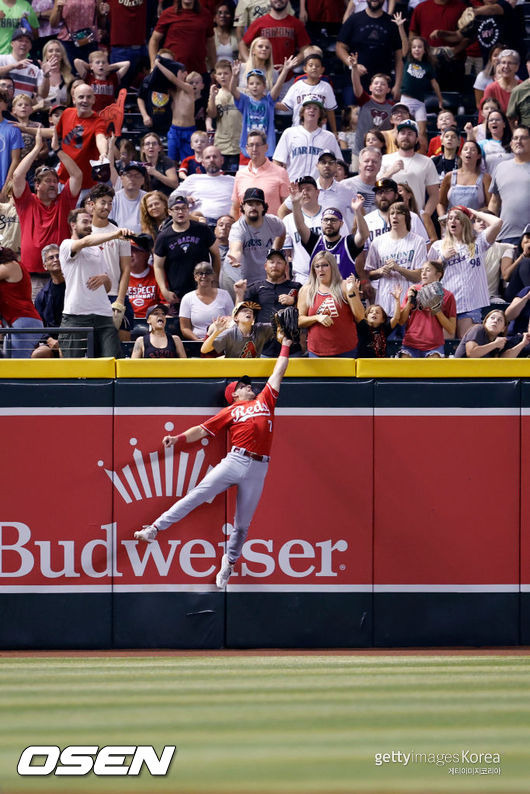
{"x":250,"y":423}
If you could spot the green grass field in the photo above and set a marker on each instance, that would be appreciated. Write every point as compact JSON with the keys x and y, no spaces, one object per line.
{"x":271,"y":724}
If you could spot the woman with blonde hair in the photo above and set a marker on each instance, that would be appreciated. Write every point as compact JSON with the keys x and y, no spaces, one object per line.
{"x":153,"y":212}
{"x":463,"y":256}
{"x":259,"y":57}
{"x":60,"y":74}
{"x":328,"y":307}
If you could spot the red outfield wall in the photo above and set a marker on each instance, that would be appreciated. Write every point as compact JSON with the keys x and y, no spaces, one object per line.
{"x":393,"y":514}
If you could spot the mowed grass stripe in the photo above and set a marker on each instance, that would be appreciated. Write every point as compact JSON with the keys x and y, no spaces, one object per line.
{"x":273,"y":724}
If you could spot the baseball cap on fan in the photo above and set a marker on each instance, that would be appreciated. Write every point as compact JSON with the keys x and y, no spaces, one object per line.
{"x":230,"y":389}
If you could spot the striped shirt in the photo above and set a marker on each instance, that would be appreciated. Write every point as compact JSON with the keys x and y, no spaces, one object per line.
{"x":465,"y":274}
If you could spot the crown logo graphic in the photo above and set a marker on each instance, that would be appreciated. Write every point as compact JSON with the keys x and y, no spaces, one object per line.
{"x":158,"y":473}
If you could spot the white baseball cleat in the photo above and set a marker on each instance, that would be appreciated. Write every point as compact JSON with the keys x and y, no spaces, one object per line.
{"x":225,"y":572}
{"x":147,"y":533}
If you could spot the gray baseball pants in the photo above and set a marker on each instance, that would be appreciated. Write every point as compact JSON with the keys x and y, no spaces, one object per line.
{"x":235,"y":469}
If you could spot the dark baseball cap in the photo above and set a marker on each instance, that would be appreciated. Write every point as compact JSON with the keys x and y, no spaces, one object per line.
{"x":134,"y":165}
{"x":144,"y":242}
{"x":230,"y":389}
{"x":19,"y":33}
{"x":385,"y":184}
{"x":245,"y":305}
{"x":56,"y":107}
{"x":254,"y":194}
{"x":177,"y":199}
{"x":408,"y":124}
{"x":276,"y":252}
{"x":307,"y":180}
{"x":152,"y":309}
{"x":326,"y":153}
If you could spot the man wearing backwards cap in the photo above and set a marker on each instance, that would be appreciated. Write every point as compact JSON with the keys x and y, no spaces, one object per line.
{"x":344,"y":249}
{"x":300,"y":146}
{"x":249,"y":421}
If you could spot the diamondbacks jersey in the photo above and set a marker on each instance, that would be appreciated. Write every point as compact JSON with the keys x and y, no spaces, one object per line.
{"x":250,"y":423}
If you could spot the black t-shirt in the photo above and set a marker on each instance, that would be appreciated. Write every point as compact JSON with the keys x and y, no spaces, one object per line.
{"x":163,"y":164}
{"x":184,"y":250}
{"x":479,"y":335}
{"x":374,"y":40}
{"x":157,"y":105}
{"x":372,"y":341}
{"x":489,"y":31}
{"x":267,"y":294}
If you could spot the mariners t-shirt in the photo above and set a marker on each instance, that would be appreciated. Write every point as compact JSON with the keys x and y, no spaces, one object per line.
{"x":249,"y":423}
{"x":183,"y":250}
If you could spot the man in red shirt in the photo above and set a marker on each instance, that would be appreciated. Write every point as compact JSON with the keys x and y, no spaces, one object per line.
{"x":83,"y":134}
{"x":249,"y":420}
{"x":428,"y":18}
{"x":187,"y":30}
{"x":43,"y":215}
{"x":287,"y":35}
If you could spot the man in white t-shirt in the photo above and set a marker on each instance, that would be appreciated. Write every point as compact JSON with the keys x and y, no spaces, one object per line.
{"x":87,"y":283}
{"x":126,"y":204}
{"x":211,"y":192}
{"x":416,"y":169}
{"x":27,"y":77}
{"x":117,"y":256}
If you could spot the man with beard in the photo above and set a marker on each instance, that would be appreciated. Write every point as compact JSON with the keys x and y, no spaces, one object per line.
{"x":44,"y":214}
{"x":117,"y":257}
{"x":344,"y":249}
{"x":312,"y":210}
{"x":253,"y":235}
{"x":178,"y":248}
{"x":273,"y":293}
{"x":375,"y":38}
{"x":87,"y":283}
{"x":286,"y":33}
{"x":211,"y":192}
{"x":416,"y":169}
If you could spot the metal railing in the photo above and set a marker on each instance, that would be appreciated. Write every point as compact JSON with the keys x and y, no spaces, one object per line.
{"x":86,"y":346}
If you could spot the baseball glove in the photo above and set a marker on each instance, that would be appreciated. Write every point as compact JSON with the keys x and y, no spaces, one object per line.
{"x":287,"y":320}
{"x":431,"y":296}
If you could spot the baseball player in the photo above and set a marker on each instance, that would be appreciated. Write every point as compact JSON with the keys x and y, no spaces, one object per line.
{"x":249,"y":419}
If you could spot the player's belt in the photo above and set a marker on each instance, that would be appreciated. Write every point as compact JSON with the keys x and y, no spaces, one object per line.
{"x":242,"y":451}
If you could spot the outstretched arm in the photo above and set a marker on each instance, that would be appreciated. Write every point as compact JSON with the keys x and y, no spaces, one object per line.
{"x":282,"y":361}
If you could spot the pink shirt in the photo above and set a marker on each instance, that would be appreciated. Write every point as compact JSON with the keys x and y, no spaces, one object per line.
{"x":271,"y":178}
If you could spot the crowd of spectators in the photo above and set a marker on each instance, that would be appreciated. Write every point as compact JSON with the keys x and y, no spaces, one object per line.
{"x":164,"y":195}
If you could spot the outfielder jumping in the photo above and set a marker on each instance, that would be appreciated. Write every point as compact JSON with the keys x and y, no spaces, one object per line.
{"x":249,"y":419}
